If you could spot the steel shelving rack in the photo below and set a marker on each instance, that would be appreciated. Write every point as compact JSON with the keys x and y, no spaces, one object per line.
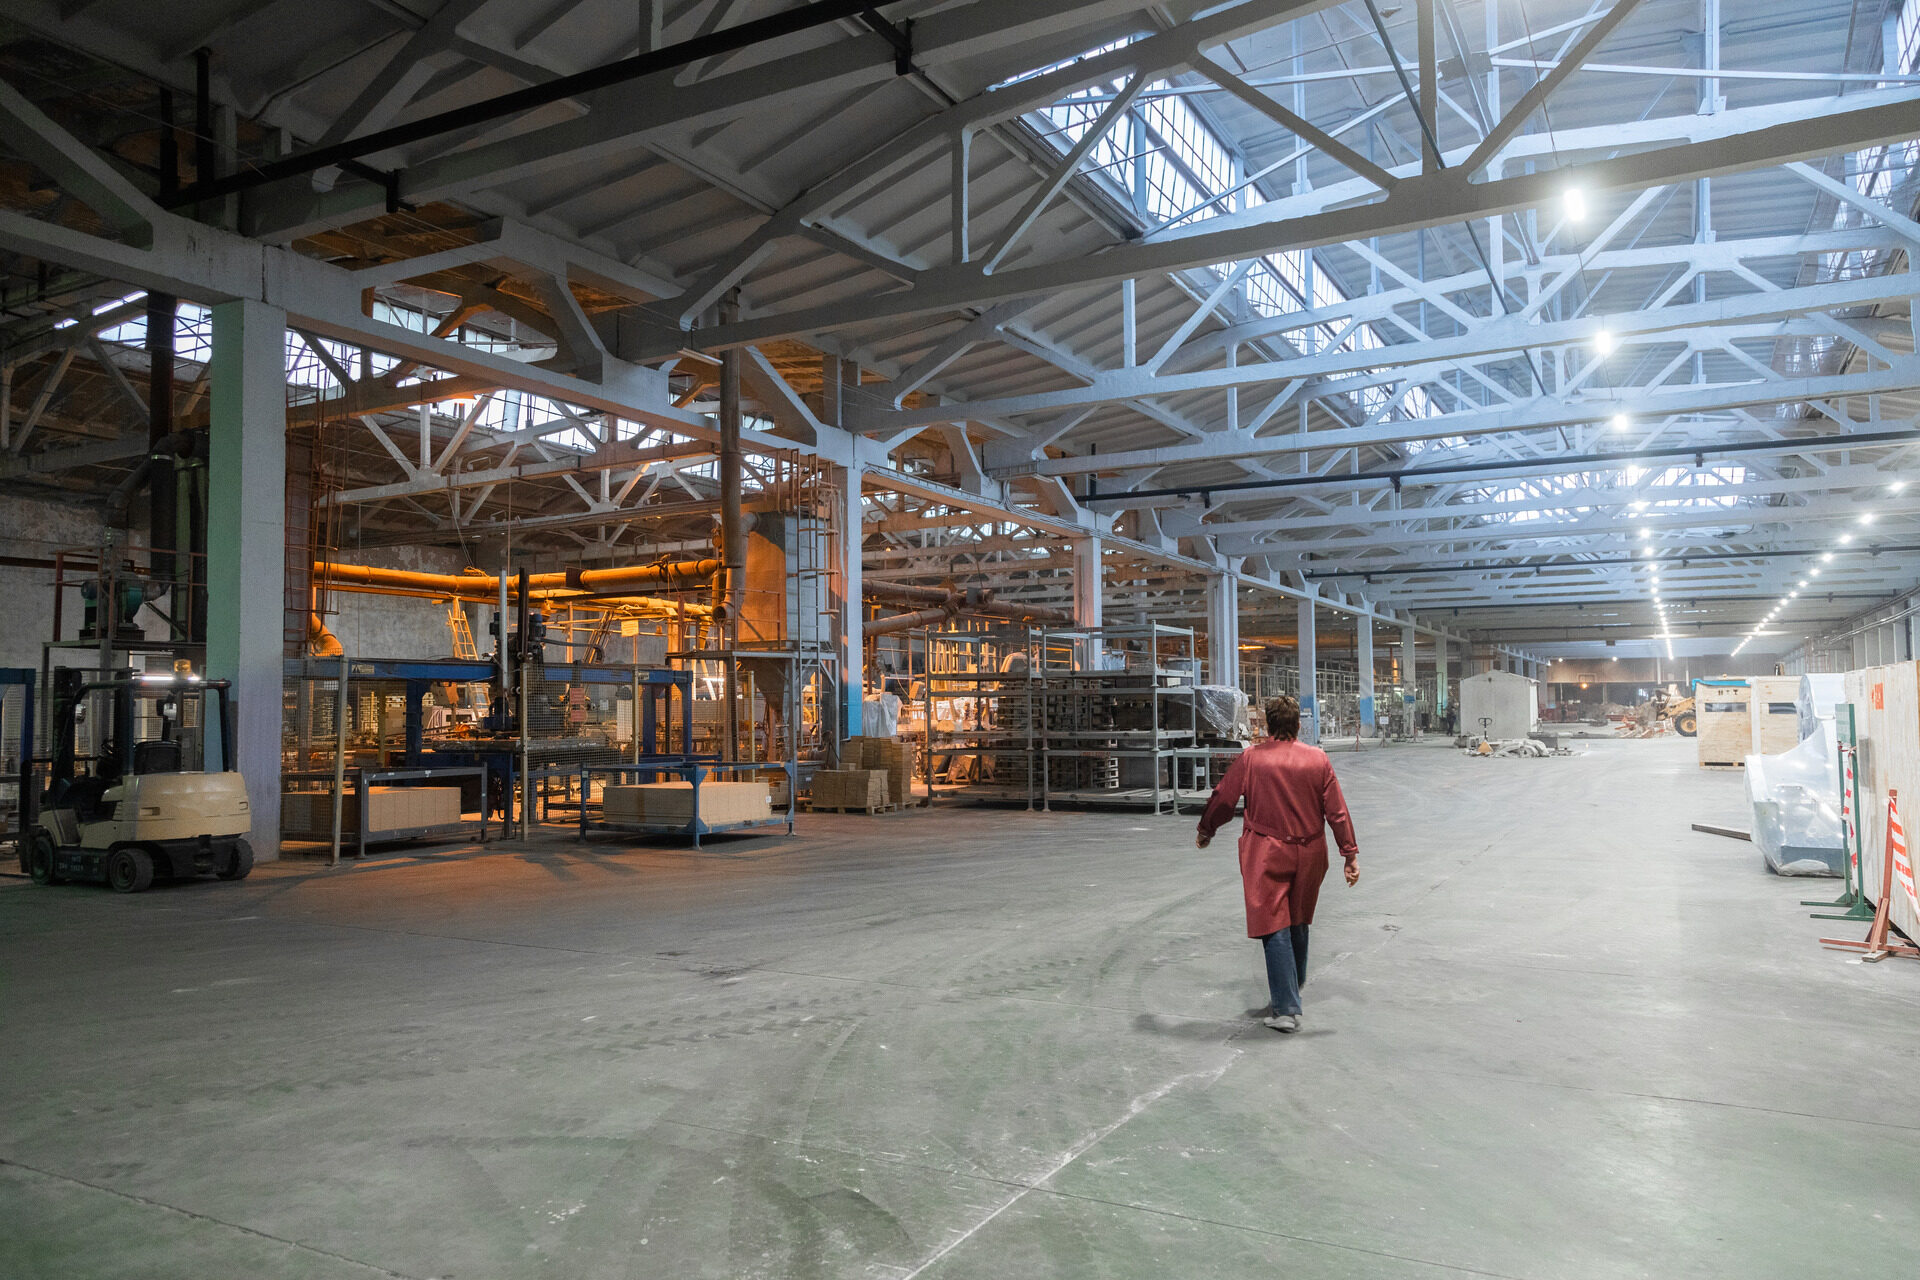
{"x":1099,"y":716}
{"x":987,"y":683}
{"x":1130,"y":699}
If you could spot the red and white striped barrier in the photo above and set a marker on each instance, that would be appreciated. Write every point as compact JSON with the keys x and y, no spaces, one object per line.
{"x":1897,"y":850}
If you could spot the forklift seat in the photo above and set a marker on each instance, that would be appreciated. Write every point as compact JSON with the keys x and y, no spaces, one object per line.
{"x":156,"y":756}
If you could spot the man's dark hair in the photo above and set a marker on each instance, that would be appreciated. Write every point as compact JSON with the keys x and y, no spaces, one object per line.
{"x":1283,"y":717}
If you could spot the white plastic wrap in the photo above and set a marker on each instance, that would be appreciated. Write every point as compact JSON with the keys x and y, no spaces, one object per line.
{"x":880,"y":717}
{"x":1818,"y":695}
{"x":1796,"y":806}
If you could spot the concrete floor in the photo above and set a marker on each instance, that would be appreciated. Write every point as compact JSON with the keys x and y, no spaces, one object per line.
{"x":1552,"y":1034}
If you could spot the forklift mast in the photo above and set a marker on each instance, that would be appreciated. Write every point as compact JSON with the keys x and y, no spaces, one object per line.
{"x":73,"y":685}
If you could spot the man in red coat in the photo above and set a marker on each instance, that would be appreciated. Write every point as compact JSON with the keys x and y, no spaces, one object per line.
{"x":1292,"y":797}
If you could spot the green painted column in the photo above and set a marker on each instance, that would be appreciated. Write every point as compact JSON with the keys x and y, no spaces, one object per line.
{"x":246,"y":542}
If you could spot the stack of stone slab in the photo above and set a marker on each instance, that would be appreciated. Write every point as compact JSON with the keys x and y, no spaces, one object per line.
{"x":310,"y":813}
{"x":671,"y":803}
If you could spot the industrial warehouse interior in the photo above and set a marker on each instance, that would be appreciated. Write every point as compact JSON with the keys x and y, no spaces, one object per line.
{"x":744,"y":639}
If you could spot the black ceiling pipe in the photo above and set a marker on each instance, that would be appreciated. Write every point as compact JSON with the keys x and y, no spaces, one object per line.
{"x":206,"y":156}
{"x":727,"y":40}
{"x":1418,"y":475}
{"x":161,"y":513}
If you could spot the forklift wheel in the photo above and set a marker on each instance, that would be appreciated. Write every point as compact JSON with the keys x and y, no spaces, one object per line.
{"x":129,"y":870}
{"x":40,"y":858}
{"x":1685,"y":725}
{"x":242,"y":862}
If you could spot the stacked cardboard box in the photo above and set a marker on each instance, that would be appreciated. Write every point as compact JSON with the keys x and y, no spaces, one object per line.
{"x":896,"y":758}
{"x":864,"y":789}
{"x":671,"y":803}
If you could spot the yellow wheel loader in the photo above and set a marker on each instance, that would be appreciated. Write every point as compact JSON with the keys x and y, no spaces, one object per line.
{"x":1685,"y":723}
{"x":156,"y":793}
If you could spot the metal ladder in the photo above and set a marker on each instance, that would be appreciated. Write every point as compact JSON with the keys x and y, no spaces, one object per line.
{"x":479,"y":694}
{"x":463,"y":646}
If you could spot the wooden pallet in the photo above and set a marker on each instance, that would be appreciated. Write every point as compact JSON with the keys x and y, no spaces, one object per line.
{"x":869,"y":809}
{"x":1723,"y":765}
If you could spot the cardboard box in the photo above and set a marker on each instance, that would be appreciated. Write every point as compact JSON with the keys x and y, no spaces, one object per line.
{"x":864,"y":789}
{"x":897,"y":759}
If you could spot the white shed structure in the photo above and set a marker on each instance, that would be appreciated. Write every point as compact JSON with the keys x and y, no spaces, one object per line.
{"x":1499,"y":704}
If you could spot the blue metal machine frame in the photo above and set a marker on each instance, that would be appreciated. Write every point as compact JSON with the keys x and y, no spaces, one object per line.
{"x":655,"y":687}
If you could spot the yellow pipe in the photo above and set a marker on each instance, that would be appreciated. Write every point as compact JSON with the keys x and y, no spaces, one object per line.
{"x":686,"y":573}
{"x":484,"y":587}
{"x":321,"y":643}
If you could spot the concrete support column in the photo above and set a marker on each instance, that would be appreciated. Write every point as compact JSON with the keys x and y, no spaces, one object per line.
{"x":1223,"y":630}
{"x":1410,"y":677}
{"x":1087,"y":593}
{"x":1363,"y":659}
{"x":1309,"y":674}
{"x":246,"y":542}
{"x":1442,"y":664}
{"x":849,"y":610}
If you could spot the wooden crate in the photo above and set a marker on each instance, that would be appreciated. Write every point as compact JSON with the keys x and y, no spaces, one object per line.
{"x":859,"y":790}
{"x":1724,"y":714}
{"x":1886,"y":717}
{"x":1775,"y":704}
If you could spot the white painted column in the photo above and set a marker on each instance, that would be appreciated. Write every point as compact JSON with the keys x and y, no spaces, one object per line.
{"x":1410,"y":678}
{"x":849,"y":610}
{"x":1087,"y":593}
{"x":1223,"y":630}
{"x":1309,"y":674}
{"x":1363,"y":658}
{"x":247,"y":542}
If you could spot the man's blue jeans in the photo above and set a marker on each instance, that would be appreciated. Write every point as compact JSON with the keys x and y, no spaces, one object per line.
{"x":1286,"y":966}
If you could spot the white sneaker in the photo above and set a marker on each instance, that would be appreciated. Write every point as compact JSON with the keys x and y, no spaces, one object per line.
{"x":1283,"y":1022}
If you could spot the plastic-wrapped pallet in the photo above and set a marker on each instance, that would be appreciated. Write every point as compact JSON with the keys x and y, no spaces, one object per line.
{"x":1796,"y":806}
{"x":1818,"y":696}
{"x":880,"y":717}
{"x":1223,"y":713}
{"x":1222,"y":710}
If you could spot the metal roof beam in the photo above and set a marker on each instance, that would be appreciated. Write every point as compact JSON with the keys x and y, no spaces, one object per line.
{"x":1695,"y":146}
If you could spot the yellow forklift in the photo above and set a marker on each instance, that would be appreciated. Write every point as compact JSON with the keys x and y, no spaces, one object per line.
{"x":156,"y":795}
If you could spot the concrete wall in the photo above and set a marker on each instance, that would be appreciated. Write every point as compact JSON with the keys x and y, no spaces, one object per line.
{"x":370,"y":626}
{"x":1600,"y":670}
{"x":1657,"y":670}
{"x":31,"y":529}
{"x":373,"y":626}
